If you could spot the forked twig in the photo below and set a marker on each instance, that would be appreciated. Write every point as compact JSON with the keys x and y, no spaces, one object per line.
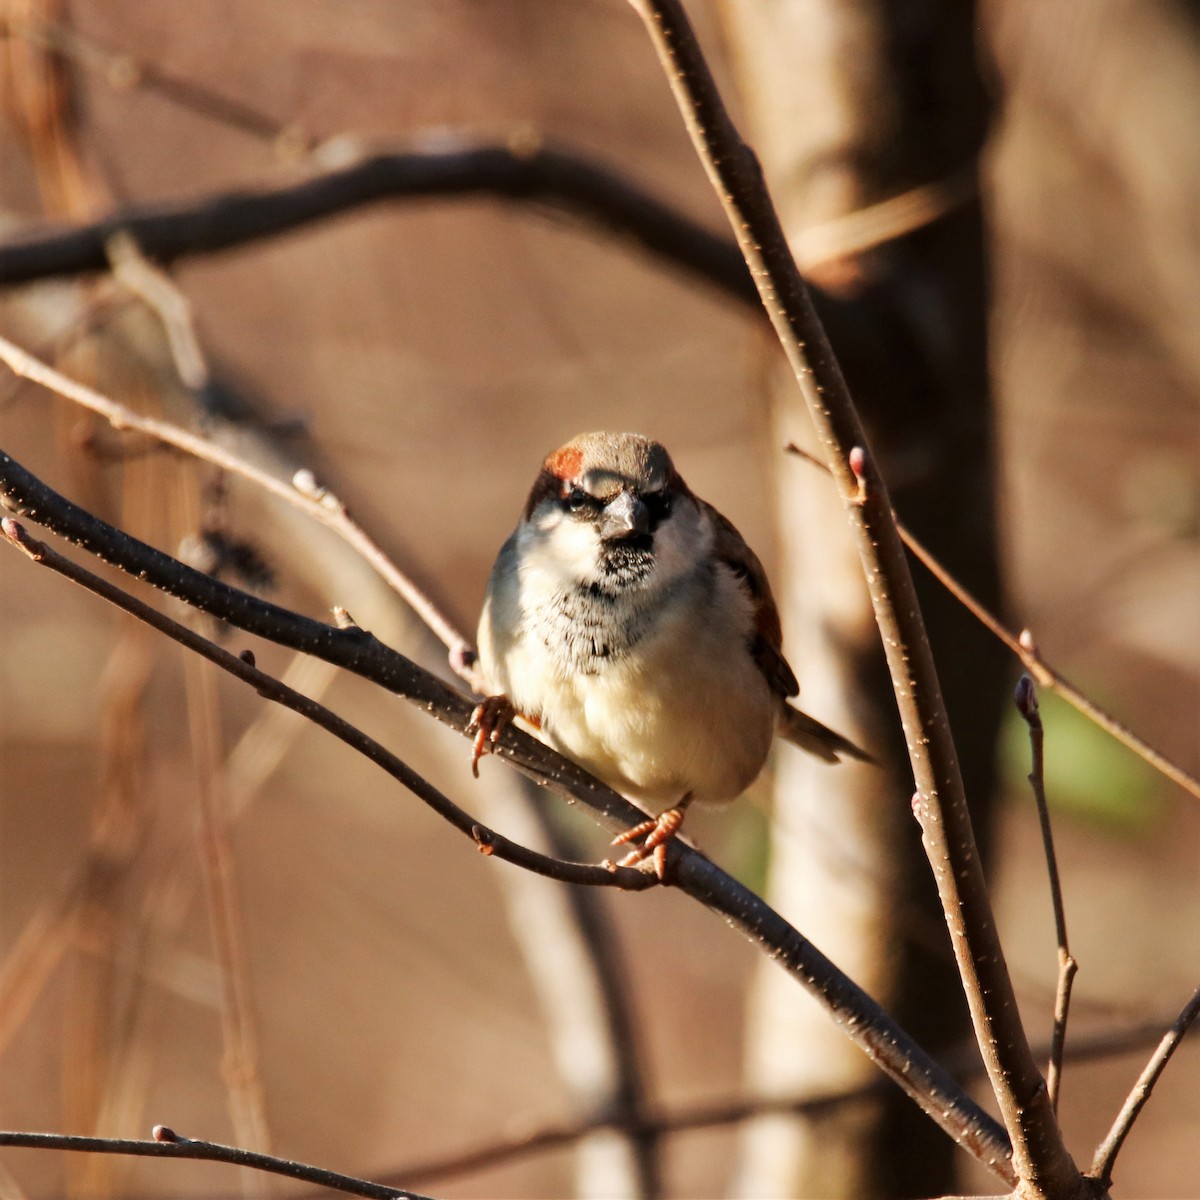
{"x":1106,"y":1152}
{"x":1027,"y":706}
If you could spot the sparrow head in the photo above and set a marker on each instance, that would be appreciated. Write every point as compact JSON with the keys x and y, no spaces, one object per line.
{"x":613,"y":506}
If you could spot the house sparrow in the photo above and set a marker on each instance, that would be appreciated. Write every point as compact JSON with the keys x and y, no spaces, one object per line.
{"x":629,"y":625}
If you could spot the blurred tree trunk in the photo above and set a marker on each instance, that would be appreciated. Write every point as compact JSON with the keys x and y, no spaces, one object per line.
{"x":851,"y":103}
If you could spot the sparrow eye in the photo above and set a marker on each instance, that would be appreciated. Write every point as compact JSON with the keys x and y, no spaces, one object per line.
{"x":658,"y":504}
{"x":577,"y":499}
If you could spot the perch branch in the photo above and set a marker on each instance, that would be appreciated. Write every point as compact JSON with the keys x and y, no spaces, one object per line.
{"x":168,"y":1144}
{"x":1039,"y":1156}
{"x":1027,"y":706}
{"x":860,"y":1017}
{"x":242,"y":667}
{"x":1107,"y":1151}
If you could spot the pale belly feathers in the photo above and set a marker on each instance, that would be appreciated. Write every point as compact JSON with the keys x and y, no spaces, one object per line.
{"x":673,"y":714}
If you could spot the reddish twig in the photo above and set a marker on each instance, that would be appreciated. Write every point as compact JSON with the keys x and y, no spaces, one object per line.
{"x":1023,"y":646}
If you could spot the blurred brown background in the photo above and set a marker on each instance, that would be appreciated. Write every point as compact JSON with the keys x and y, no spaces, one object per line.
{"x":432,"y":353}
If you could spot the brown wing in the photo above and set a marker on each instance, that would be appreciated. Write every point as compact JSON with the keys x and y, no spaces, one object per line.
{"x":766,"y":644}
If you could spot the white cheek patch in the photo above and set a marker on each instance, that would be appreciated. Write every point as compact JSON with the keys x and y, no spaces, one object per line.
{"x":557,"y":551}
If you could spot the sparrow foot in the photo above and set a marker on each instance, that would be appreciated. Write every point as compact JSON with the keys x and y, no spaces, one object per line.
{"x":655,"y":833}
{"x":488,"y":720}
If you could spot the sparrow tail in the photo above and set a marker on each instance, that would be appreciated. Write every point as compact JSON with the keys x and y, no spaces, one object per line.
{"x":802,"y":730}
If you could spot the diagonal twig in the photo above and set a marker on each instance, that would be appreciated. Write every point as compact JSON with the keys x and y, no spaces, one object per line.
{"x":1107,"y":1151}
{"x":1023,"y":646}
{"x":124,"y":71}
{"x":1039,"y":1155}
{"x":302,"y":490}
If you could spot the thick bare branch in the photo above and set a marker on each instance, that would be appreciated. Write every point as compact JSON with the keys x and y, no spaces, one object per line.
{"x":1040,"y":1157}
{"x":527,"y":174}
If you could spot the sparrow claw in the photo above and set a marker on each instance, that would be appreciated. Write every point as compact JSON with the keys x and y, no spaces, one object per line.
{"x":655,"y":834}
{"x":488,"y":720}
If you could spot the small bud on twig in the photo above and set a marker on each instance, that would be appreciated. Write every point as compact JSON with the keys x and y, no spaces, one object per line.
{"x":342,"y":618}
{"x":15,"y":532}
{"x":1025,"y":697}
{"x":857,"y":460}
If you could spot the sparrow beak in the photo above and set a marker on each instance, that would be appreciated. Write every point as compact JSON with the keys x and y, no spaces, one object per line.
{"x":624,"y":516}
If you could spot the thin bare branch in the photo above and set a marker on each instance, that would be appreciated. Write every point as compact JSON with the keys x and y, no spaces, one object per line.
{"x":125,"y":72}
{"x":858,"y":1014}
{"x":303,"y":491}
{"x":1107,"y":1151}
{"x":1039,"y":1155}
{"x":1027,"y":706}
{"x":853,"y":233}
{"x":168,"y":1144}
{"x":486,"y":840}
{"x":1025,"y":648}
